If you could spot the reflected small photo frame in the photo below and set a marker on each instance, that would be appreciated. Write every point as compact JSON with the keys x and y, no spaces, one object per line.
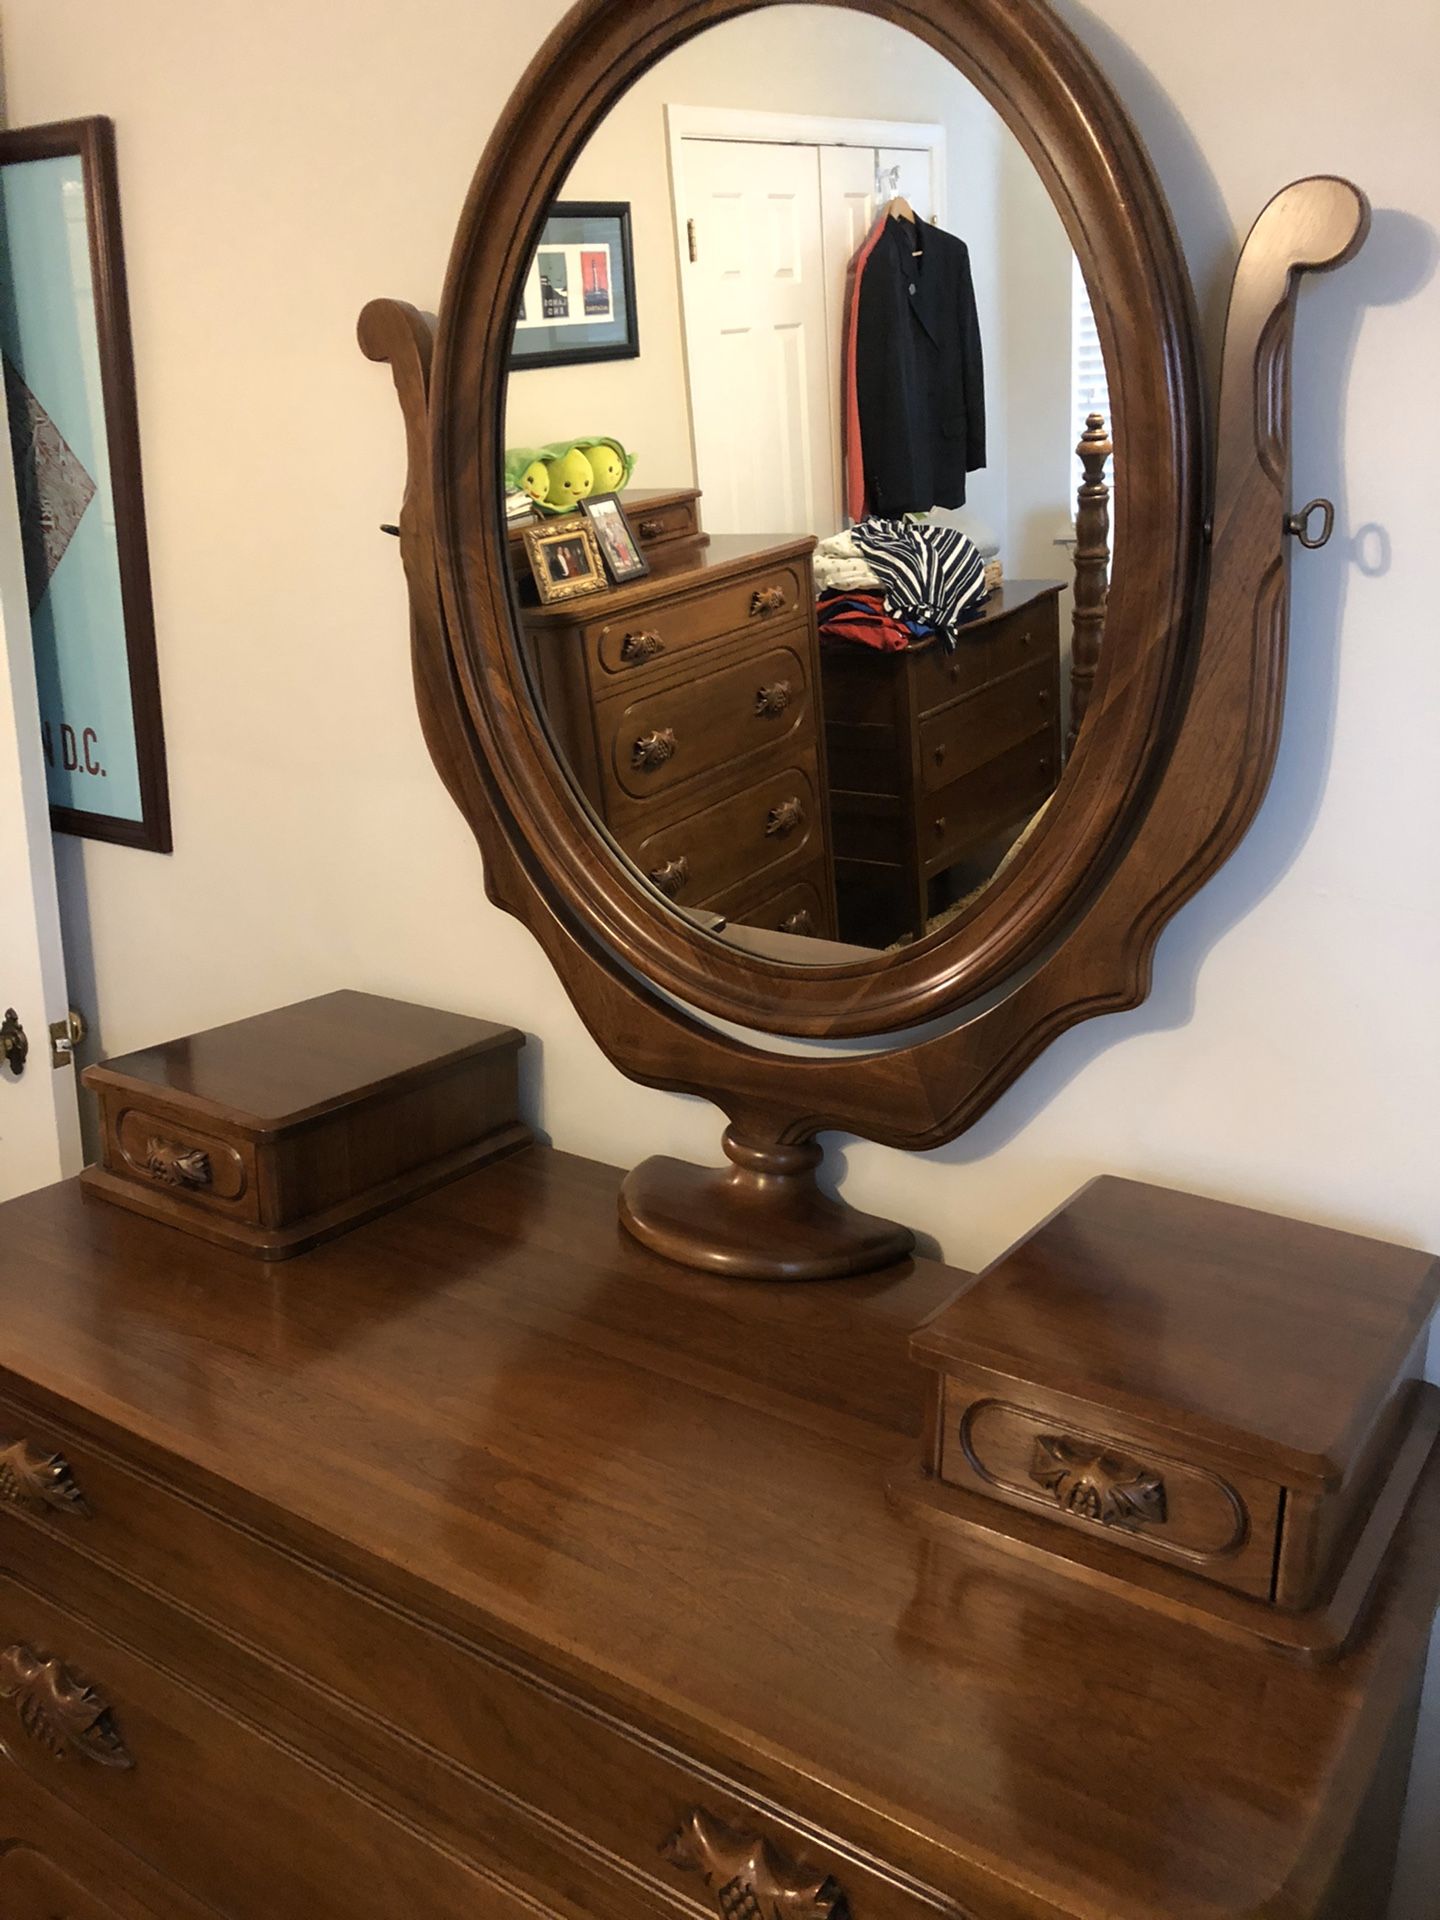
{"x":565,"y":558}
{"x":624,"y":556}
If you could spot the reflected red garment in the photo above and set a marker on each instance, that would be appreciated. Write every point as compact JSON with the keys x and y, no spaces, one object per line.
{"x":851,"y":452}
{"x":861,"y":617}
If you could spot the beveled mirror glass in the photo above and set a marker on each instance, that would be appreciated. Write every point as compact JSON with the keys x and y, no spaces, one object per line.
{"x":806,"y":348}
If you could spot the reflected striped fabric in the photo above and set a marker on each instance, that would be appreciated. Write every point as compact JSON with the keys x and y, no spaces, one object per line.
{"x":933,"y":575}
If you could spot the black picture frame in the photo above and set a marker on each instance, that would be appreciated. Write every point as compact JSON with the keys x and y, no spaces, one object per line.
{"x":598,"y":510}
{"x":92,"y":142}
{"x":574,"y":229}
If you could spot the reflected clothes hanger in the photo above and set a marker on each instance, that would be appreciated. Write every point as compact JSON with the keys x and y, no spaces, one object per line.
{"x":900,"y":209}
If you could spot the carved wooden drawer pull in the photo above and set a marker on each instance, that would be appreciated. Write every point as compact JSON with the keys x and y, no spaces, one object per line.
{"x":798,"y":922}
{"x":636,"y":647}
{"x":772,"y":699}
{"x":59,"y":1709}
{"x":653,"y":749}
{"x":767,"y":600}
{"x":38,"y":1481}
{"x":1095,"y":1484}
{"x":784,"y":819}
{"x":175,"y":1165}
{"x":650,"y":529}
{"x":672,"y":876}
{"x":748,"y":1877}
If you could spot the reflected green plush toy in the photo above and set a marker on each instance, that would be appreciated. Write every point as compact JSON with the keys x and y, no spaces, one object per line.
{"x":557,"y":477}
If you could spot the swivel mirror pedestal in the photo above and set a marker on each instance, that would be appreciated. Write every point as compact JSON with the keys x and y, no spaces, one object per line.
{"x":763,"y":1219}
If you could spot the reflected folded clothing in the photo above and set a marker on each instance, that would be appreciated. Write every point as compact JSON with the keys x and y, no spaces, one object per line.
{"x":930,"y":574}
{"x":862,"y":617}
{"x":839,"y":564}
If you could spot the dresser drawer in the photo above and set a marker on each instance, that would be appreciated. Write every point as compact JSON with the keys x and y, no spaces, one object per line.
{"x":741,"y":839}
{"x":662,"y":521}
{"x":961,"y":817}
{"x":165,"y":1151}
{"x":658,"y":628}
{"x":798,"y":908}
{"x":720,"y":719}
{"x":56,"y":1866}
{"x":984,"y":725}
{"x":1076,"y":1464}
{"x":985,"y":652}
{"x":611,"y":1793}
{"x":201,"y":1794}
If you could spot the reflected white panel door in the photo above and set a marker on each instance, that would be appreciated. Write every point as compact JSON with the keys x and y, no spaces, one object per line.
{"x":755,"y":336}
{"x":39,"y":1120}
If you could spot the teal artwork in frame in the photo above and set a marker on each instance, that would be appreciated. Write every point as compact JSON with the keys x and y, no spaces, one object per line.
{"x":70,"y":399}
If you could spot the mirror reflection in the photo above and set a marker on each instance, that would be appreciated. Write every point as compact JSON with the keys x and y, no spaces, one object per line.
{"x":800,"y":369}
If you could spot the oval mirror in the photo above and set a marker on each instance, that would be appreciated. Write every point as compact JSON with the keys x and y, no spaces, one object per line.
{"x":804,"y":318}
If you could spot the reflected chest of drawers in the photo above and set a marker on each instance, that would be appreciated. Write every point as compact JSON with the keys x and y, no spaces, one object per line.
{"x":686,"y":706}
{"x":934,"y":755}
{"x":480,"y":1565}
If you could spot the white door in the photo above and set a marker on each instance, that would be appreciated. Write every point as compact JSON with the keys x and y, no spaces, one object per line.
{"x":766,"y":232}
{"x":39,"y":1117}
{"x":755,"y":335}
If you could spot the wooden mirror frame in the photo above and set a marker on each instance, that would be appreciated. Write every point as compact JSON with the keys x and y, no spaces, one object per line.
{"x":1053,"y":98}
{"x":1191,"y":681}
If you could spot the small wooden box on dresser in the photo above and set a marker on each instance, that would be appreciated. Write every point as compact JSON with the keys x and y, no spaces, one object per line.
{"x":933,"y":754}
{"x":482,"y":1563}
{"x":686,"y":705}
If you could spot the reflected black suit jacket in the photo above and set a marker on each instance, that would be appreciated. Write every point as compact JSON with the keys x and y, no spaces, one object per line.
{"x":919,"y":374}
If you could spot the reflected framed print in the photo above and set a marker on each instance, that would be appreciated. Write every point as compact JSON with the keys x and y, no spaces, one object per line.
{"x":578,"y":302}
{"x":69,"y":382}
{"x":565,"y":558}
{"x":623,"y":556}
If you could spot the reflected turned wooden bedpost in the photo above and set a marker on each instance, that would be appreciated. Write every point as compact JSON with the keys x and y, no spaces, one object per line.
{"x":1092,"y":567}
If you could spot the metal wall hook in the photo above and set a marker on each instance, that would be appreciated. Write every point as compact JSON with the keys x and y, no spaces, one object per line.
{"x":1298,"y":523}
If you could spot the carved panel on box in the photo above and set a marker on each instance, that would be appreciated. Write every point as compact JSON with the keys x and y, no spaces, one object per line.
{"x":748,"y":1877}
{"x":1098,"y":1485}
{"x":199,"y":1162}
{"x":59,"y":1709}
{"x":37,"y":1481}
{"x":176,"y":1165}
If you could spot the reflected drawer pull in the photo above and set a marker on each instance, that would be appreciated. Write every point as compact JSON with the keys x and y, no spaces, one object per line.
{"x":174,"y":1165}
{"x":749,"y":1878}
{"x":784,"y":818}
{"x":798,"y":922}
{"x":767,"y":600}
{"x":653,"y":749}
{"x":37,"y":1481}
{"x":672,"y":876}
{"x":1095,"y":1484}
{"x":772,"y":699}
{"x":59,"y":1709}
{"x":651,"y":529}
{"x":938,"y":823}
{"x":636,"y":647}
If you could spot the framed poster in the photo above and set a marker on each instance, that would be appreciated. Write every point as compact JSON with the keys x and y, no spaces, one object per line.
{"x":579,"y":297}
{"x":69,"y":382}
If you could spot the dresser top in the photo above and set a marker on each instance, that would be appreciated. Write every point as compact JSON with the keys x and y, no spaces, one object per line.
{"x":1272,"y":1340}
{"x":492,"y":1408}
{"x":725,"y":556}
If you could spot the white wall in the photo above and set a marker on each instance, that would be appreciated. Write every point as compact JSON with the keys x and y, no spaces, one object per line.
{"x":276,"y":171}
{"x":842,"y":65}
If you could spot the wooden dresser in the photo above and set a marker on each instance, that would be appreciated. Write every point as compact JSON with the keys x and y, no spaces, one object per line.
{"x":933,"y":755}
{"x":687,"y":707}
{"x":481,"y":1563}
